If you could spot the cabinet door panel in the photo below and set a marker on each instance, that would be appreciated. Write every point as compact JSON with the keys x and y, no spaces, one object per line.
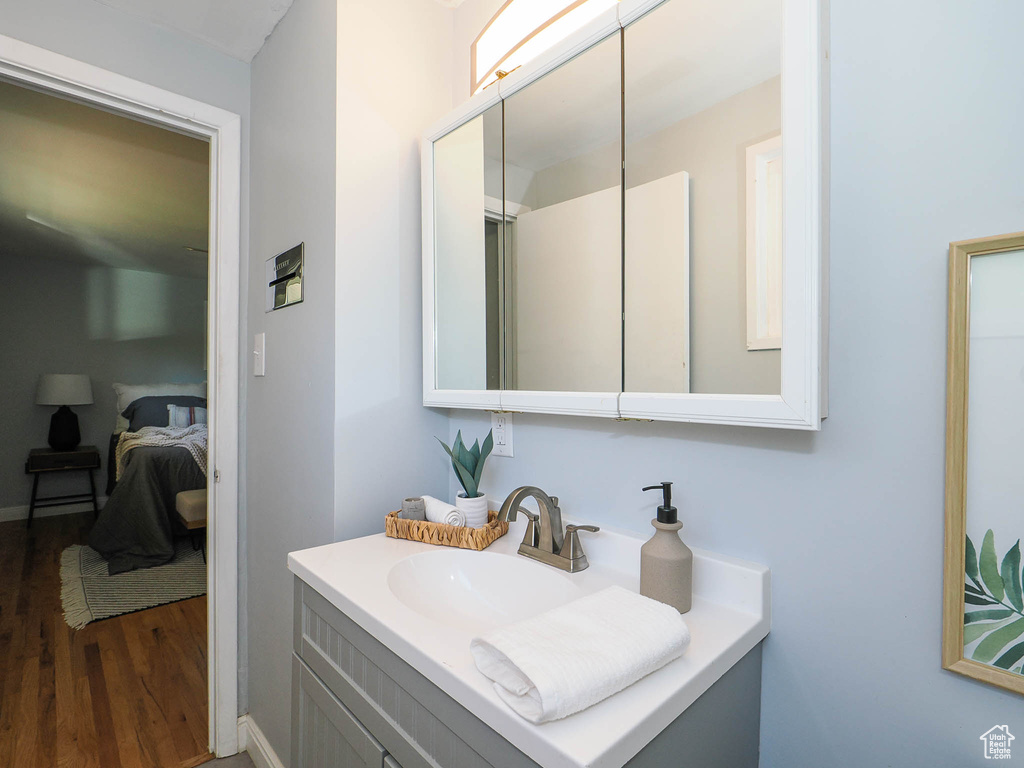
{"x":328,"y":735}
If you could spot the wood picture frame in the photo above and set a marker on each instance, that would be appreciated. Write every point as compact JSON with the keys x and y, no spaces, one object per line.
{"x":992,"y":591}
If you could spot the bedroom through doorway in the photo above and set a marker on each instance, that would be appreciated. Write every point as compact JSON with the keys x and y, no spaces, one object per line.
{"x":104,"y":239}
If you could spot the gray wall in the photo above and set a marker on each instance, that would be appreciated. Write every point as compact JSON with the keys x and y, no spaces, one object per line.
{"x":925,"y":150}
{"x":290,"y":416}
{"x":104,"y":37}
{"x":68,"y":317}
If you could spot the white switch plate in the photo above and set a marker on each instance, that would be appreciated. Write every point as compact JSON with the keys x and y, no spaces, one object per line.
{"x":501,"y":429}
{"x":259,"y":355}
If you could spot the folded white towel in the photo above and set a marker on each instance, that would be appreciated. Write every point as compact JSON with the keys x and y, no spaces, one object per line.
{"x":438,"y":511}
{"x":569,"y":658}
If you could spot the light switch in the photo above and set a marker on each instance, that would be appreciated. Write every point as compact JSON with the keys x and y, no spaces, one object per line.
{"x":259,"y":355}
{"x":501,"y":432}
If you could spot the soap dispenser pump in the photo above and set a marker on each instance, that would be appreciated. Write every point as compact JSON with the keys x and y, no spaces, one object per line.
{"x":666,"y":563}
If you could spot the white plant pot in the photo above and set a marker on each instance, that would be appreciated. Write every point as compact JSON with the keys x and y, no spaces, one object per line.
{"x":474,"y":509}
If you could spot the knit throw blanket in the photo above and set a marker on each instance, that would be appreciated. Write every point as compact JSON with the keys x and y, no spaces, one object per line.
{"x":193,"y":439}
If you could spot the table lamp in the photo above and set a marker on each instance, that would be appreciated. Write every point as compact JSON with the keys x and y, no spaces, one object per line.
{"x":64,"y":389}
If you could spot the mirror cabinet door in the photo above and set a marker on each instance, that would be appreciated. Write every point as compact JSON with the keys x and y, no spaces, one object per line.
{"x":563,"y":207}
{"x":702,"y":263}
{"x":468,"y":250}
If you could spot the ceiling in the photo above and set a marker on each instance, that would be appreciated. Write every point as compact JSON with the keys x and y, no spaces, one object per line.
{"x":235,"y":27}
{"x":79,"y":184}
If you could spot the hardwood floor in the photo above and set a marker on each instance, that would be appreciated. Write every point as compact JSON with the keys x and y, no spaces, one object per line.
{"x":125,"y":692}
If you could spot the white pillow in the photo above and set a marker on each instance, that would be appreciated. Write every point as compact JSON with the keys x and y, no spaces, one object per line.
{"x":185,"y":415}
{"x":129,"y":393}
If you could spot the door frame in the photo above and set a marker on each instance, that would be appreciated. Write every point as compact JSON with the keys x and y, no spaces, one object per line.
{"x":43,"y":70}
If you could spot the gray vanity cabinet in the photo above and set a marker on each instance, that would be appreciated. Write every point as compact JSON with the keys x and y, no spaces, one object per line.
{"x":355,"y":704}
{"x":329,"y":734}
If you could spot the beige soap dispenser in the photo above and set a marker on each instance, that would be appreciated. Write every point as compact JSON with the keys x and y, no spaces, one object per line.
{"x":666,"y":563}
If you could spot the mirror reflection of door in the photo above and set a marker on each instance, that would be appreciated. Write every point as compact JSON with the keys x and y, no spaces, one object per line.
{"x":702,"y":85}
{"x":563,"y":180}
{"x":500,"y":278}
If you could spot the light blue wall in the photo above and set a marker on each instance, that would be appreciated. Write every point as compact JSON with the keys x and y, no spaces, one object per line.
{"x":384,"y":445}
{"x":337,"y":432}
{"x":290,"y":415}
{"x":927,"y":109}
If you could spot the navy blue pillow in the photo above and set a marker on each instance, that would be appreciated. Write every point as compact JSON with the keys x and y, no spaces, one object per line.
{"x":152,"y":411}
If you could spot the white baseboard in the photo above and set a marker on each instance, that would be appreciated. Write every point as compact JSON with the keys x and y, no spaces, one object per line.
{"x":7,"y":514}
{"x":252,"y":740}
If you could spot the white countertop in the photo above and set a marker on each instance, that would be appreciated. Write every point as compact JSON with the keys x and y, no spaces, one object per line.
{"x":730,"y":615}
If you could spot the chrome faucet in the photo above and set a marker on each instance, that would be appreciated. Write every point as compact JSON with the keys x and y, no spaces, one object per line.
{"x":548,"y":544}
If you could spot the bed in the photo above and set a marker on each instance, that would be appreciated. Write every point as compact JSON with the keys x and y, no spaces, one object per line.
{"x":152,"y":459}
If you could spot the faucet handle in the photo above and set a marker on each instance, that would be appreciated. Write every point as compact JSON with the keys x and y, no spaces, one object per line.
{"x":592,"y":528}
{"x":532,"y":536}
{"x":572,"y":550}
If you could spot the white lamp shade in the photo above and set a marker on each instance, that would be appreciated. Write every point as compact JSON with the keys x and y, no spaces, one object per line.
{"x":64,"y":389}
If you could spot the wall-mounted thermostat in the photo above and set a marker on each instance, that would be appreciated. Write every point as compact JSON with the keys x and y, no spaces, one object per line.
{"x":284,"y":278}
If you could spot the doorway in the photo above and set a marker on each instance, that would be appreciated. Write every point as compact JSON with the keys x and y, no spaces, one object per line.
{"x":36,"y":68}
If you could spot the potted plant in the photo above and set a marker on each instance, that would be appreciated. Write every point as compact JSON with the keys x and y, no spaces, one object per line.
{"x":468,"y":464}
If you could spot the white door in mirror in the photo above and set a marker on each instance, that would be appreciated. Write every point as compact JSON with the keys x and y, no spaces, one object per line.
{"x":501,"y":429}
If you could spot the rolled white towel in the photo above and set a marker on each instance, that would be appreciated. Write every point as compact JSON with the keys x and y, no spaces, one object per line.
{"x":438,"y":511}
{"x":569,"y":658}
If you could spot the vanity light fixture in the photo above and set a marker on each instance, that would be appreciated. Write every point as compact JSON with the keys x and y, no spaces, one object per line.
{"x":520,"y":30}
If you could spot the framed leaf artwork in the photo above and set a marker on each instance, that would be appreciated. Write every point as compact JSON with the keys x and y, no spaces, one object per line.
{"x":983,"y":611}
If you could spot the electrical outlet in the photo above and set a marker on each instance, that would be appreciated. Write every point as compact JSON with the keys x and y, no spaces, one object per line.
{"x":501,"y":429}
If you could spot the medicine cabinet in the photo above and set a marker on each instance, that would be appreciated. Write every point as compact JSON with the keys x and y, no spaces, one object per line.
{"x":634,"y":224}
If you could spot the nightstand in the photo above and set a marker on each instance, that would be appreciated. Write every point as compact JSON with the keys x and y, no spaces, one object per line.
{"x":43,"y":461}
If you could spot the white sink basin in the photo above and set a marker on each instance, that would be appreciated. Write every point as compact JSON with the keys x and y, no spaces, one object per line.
{"x":478,"y":590}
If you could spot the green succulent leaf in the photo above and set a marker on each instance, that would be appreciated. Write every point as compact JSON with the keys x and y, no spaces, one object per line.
{"x":979,"y":600}
{"x":994,"y":615}
{"x":996,"y":641}
{"x":1011,"y":657}
{"x":974,"y":631}
{"x":990,"y":567}
{"x":971,"y":560}
{"x":485,"y":451}
{"x":465,"y":457}
{"x":465,"y":478}
{"x":1010,"y":573}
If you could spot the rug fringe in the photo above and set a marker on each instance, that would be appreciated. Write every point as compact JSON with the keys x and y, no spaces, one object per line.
{"x":72,"y":590}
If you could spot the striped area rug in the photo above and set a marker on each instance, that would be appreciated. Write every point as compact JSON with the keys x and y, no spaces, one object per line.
{"x":89,"y":593}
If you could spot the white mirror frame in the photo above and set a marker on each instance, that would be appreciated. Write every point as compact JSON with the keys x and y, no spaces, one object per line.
{"x":803,"y":399}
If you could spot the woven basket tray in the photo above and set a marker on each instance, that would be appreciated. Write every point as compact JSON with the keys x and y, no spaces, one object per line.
{"x":446,"y":535}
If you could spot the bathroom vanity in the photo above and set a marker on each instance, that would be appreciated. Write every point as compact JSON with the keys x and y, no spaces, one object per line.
{"x":383,"y":676}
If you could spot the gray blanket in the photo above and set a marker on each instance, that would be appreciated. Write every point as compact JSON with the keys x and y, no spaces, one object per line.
{"x":136,"y":528}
